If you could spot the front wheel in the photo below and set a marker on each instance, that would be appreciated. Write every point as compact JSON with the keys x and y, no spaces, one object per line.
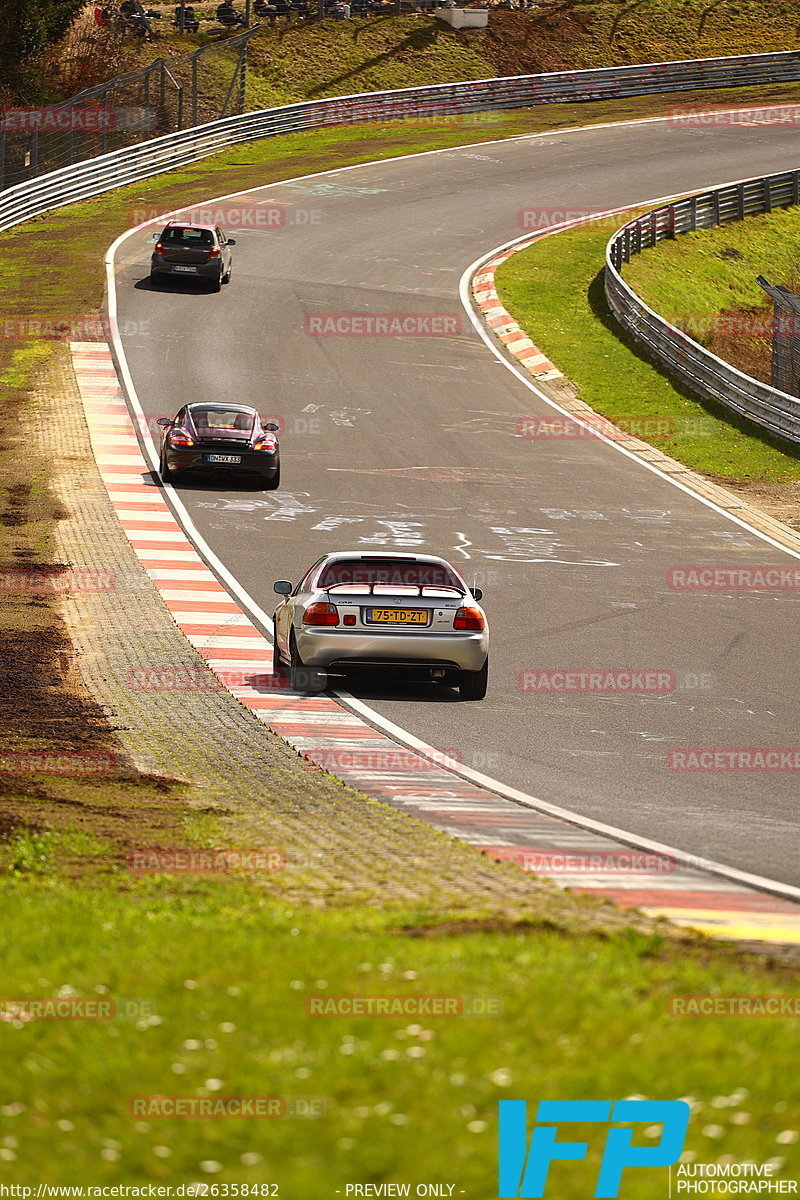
{"x":473,"y":684}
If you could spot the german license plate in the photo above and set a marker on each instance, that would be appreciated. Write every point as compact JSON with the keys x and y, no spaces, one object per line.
{"x":223,"y":458}
{"x":397,"y":616}
{"x":191,"y":270}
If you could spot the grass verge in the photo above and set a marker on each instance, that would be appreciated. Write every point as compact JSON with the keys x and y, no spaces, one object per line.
{"x":223,"y":977}
{"x":555,"y":290}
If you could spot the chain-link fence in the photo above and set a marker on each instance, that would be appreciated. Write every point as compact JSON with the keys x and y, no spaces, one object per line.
{"x":130,"y":108}
{"x":785,"y":374}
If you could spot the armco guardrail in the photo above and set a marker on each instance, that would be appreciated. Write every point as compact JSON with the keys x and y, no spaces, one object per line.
{"x":701,"y":371}
{"x":81,"y":180}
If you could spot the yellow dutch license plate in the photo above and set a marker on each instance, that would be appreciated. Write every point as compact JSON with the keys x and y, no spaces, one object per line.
{"x":397,"y":616}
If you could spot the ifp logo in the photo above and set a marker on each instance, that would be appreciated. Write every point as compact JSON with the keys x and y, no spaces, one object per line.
{"x":523,"y":1171}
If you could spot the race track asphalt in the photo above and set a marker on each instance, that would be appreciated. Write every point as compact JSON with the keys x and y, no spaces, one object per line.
{"x":410,"y":443}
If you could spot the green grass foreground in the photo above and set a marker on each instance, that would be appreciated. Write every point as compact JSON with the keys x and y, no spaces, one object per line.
{"x":225,"y":974}
{"x":555,"y":290}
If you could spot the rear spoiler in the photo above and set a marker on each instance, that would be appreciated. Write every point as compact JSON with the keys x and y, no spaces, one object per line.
{"x":338,"y":588}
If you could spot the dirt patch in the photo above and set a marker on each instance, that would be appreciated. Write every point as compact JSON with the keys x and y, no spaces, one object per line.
{"x":488,"y":925}
{"x":780,"y":500}
{"x":748,"y":345}
{"x":122,"y":814}
{"x":41,"y":701}
{"x":43,"y":705}
{"x":525,"y":43}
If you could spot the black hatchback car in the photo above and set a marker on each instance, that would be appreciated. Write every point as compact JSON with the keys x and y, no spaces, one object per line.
{"x":219,"y":437}
{"x":194,"y":251}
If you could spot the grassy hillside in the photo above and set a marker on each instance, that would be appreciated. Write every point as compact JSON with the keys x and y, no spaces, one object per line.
{"x":706,"y":283}
{"x":296,"y":62}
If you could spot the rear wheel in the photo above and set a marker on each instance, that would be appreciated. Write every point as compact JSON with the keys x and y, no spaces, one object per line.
{"x":226,"y":278}
{"x":280,"y":671}
{"x":473,"y":684}
{"x":301,"y":677}
{"x":166,"y":474}
{"x":275,"y":482}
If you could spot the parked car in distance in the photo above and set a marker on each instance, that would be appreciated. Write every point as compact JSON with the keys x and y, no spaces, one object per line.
{"x":206,"y":437}
{"x":386,"y":614}
{"x":193,"y":251}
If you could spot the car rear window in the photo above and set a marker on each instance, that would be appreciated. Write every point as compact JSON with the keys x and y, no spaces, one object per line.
{"x":218,"y":419}
{"x":372,"y":572}
{"x":183,"y":235}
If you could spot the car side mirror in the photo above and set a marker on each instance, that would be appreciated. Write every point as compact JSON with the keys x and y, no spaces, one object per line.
{"x":282,"y":587}
{"x":231,"y":241}
{"x":272,"y":427}
{"x":164,"y":422}
{"x":477,"y":593}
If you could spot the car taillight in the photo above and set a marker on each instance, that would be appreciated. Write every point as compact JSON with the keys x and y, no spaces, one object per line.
{"x":159,"y":248}
{"x":469,"y":618}
{"x":321,"y":614}
{"x":213,"y":252}
{"x":179,"y":437}
{"x":268,"y":444}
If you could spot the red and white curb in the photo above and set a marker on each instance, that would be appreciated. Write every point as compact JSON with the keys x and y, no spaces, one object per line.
{"x":339,"y":741}
{"x":503,"y":325}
